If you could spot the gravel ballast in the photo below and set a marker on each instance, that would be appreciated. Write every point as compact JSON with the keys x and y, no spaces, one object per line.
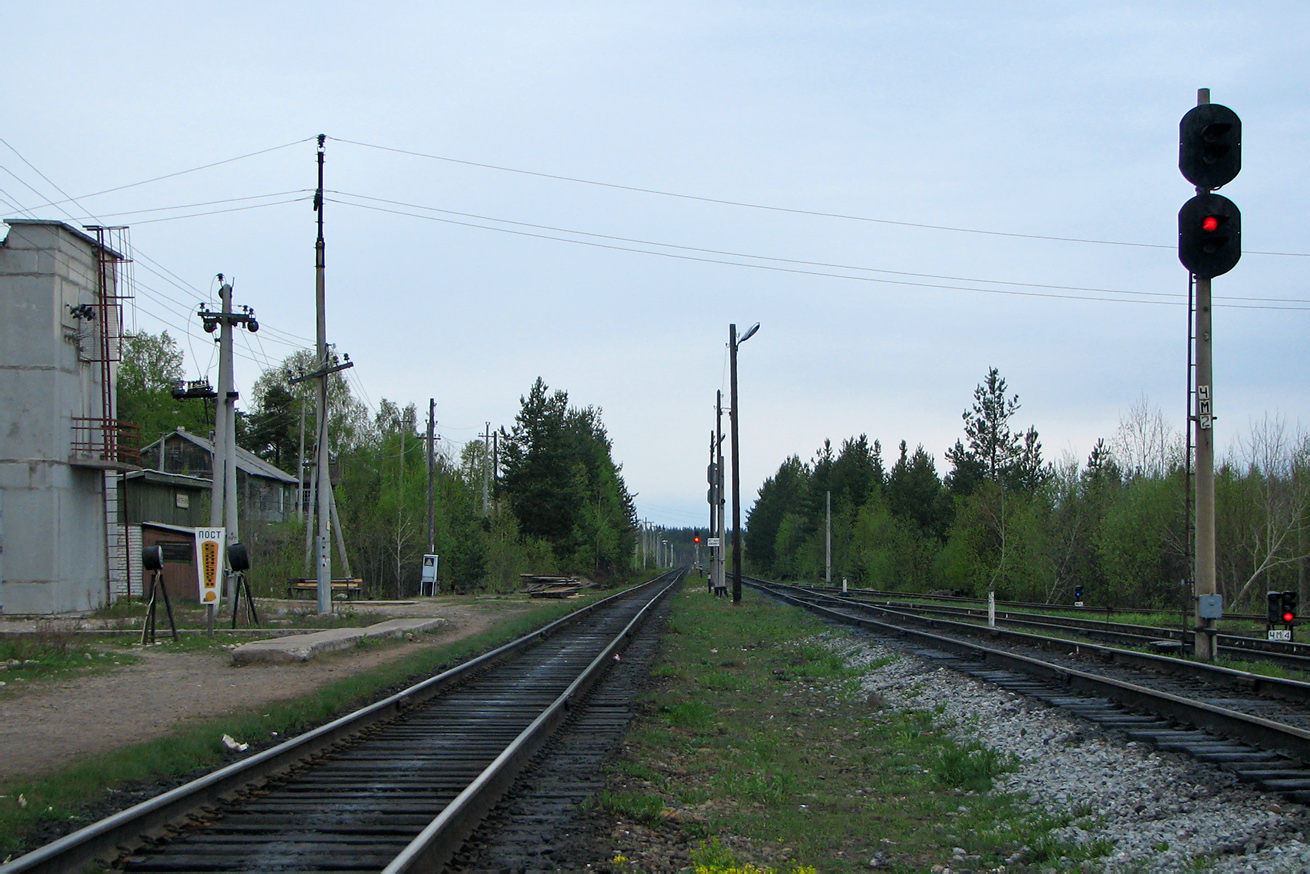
{"x":1157,"y":811}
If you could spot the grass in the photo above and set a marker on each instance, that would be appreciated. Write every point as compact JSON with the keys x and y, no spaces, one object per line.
{"x":54,"y":652}
{"x":33,"y":811}
{"x":759,"y":740}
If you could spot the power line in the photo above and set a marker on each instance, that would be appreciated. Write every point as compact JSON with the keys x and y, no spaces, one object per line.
{"x":191,"y":170}
{"x":747,"y":255}
{"x":771,"y":208}
{"x":301,"y":191}
{"x":1172,"y":300}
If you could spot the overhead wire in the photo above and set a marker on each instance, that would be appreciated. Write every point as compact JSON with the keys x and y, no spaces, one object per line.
{"x":771,"y":207}
{"x":730,"y":254}
{"x":1172,"y":300}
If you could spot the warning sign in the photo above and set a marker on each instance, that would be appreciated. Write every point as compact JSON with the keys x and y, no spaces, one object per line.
{"x":209,"y":545}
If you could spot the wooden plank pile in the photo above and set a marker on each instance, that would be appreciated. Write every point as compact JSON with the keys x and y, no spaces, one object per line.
{"x":541,"y":586}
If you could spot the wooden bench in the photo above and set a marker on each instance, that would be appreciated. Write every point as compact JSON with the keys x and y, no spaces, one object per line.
{"x":349,"y":588}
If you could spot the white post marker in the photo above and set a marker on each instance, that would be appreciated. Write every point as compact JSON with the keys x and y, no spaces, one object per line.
{"x":209,"y":551}
{"x":991,"y":609}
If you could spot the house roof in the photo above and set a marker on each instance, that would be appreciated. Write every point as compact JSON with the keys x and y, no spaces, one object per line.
{"x":180,"y":480}
{"x":247,"y":461}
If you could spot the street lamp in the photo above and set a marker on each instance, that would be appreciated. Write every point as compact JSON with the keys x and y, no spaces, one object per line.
{"x":733,"y":342}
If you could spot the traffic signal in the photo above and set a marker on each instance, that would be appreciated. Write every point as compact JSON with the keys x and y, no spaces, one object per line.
{"x":1210,"y":145}
{"x":1287,"y":606}
{"x":695,"y":538}
{"x":1209,"y":235}
{"x":1273,"y":607}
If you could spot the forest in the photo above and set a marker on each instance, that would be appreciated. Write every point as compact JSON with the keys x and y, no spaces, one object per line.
{"x":551,"y":501}
{"x":1004,"y":519}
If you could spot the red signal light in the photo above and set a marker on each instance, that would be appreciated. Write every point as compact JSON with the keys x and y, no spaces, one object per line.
{"x":696,"y":539}
{"x":1210,"y":223}
{"x":1288,"y":616}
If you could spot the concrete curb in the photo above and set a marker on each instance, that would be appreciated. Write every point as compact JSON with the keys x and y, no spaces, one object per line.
{"x":303,"y":647}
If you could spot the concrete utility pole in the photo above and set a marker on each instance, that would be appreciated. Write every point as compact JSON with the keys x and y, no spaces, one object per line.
{"x":486,"y":470}
{"x":1205,"y":498}
{"x":827,"y":572}
{"x":326,"y":367}
{"x":223,"y":490}
{"x":432,"y":472}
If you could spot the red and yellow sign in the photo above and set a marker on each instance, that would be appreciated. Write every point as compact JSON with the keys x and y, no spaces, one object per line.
{"x":209,"y":546}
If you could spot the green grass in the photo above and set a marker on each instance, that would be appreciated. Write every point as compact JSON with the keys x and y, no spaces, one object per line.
{"x":29,"y":808}
{"x":763,"y":733}
{"x":52,"y":655}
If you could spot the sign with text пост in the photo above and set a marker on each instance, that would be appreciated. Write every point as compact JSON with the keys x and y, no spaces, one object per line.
{"x":209,"y":562}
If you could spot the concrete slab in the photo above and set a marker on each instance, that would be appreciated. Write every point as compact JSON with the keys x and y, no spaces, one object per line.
{"x":303,"y":647}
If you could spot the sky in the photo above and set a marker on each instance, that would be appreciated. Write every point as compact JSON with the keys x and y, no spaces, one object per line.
{"x":902,"y":195}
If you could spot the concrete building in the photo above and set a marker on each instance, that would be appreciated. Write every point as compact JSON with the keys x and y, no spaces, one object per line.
{"x":62,"y":450}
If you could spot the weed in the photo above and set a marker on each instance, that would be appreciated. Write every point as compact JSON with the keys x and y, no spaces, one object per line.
{"x":970,"y":768}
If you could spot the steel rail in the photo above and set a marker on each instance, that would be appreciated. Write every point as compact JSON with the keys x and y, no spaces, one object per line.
{"x":1035,"y":605}
{"x":106,"y":837}
{"x":1293,"y":654}
{"x":1267,"y":733}
{"x":434,"y":846}
{"x":1291,"y":690}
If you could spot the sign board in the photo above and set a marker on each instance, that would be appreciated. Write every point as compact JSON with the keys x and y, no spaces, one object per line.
{"x":1280,"y":634}
{"x":209,"y":564}
{"x":714,"y":542}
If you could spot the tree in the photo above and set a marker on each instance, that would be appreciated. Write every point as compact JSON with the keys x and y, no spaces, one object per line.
{"x":562,"y":485}
{"x":994,"y":452}
{"x":151,"y":368}
{"x":782,"y":493}
{"x":914,"y":491}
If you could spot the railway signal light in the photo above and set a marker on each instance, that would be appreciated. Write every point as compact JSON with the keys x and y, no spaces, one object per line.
{"x":1209,"y":235}
{"x":695,"y":538}
{"x":1273,"y":607}
{"x":1287,"y":606}
{"x":1210,"y":145}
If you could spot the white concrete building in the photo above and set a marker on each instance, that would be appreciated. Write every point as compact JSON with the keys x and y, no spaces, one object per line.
{"x":62,"y":451}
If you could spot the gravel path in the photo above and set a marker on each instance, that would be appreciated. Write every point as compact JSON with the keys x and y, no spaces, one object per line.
{"x":1160,"y":812}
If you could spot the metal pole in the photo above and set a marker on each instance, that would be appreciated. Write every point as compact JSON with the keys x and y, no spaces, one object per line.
{"x":720,"y":500}
{"x":736,"y":468}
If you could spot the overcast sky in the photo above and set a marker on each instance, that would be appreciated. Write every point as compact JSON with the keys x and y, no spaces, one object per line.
{"x":869,"y":181}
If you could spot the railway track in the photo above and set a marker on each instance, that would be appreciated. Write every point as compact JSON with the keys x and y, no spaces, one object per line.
{"x":1253,"y":726}
{"x":1292,"y":655}
{"x":394,"y":787}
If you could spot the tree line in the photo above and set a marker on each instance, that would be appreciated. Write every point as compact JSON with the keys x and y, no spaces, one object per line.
{"x":1004,"y":519}
{"x":555,"y":504}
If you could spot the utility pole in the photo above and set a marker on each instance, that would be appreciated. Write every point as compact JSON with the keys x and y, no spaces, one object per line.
{"x":300,"y":467}
{"x":432,"y":472}
{"x":486,"y":470}
{"x":223,"y":491}
{"x":733,"y":342}
{"x":827,"y":572}
{"x":326,"y":367}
